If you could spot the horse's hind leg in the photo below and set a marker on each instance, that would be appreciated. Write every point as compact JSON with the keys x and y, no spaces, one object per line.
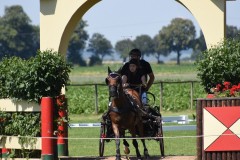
{"x":135,"y":144}
{"x":141,"y":134}
{"x":146,"y":154}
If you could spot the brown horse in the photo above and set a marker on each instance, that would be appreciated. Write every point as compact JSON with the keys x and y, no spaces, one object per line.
{"x":122,"y":114}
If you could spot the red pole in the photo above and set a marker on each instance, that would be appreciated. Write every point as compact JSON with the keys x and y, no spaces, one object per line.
{"x":47,"y":128}
{"x":61,"y":135}
{"x":4,"y":153}
{"x":61,"y":142}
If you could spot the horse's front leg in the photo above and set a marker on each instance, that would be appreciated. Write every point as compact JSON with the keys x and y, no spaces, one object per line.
{"x":117,"y":140}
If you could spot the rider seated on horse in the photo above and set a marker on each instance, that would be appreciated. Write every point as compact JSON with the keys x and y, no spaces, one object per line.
{"x":134,"y":84}
{"x":134,"y":78}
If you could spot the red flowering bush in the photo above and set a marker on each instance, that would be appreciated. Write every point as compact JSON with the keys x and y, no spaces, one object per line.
{"x":226,"y":90}
{"x":219,"y":63}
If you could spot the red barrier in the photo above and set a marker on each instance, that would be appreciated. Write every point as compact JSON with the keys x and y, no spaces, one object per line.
{"x":47,"y":128}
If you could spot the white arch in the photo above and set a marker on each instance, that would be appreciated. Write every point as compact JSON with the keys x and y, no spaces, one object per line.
{"x":58,"y":19}
{"x":211,"y":16}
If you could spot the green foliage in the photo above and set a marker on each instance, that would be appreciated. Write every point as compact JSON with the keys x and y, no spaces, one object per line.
{"x":145,"y":44}
{"x":99,"y":46}
{"x":160,"y":46}
{"x":82,"y":99}
{"x":233,"y":32}
{"x":18,"y":37}
{"x":220,"y":63}
{"x":95,"y":60}
{"x":123,"y":47}
{"x":21,"y":124}
{"x":176,"y":97}
{"x":77,"y":44}
{"x":179,"y":35}
{"x":41,"y":76}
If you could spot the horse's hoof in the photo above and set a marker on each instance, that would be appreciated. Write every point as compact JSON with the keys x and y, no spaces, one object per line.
{"x":146,"y":155}
{"x":118,"y":157}
{"x":126,"y":150}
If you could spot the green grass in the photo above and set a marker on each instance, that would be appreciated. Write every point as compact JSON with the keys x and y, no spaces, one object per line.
{"x":85,"y":142}
{"x":97,"y":74}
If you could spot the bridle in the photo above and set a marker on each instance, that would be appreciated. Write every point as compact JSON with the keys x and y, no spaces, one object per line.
{"x":114,"y":82}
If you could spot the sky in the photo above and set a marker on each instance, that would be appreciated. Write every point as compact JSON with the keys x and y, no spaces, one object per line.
{"x":122,"y":19}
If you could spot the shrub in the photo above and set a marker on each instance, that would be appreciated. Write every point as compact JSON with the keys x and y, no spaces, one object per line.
{"x":42,"y":75}
{"x":220,"y":63}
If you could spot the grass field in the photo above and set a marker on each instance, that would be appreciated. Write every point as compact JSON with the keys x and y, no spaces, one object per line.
{"x":85,"y":142}
{"x":97,"y":74}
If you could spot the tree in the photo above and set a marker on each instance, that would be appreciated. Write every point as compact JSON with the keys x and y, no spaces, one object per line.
{"x":179,"y":35}
{"x":18,"y":37}
{"x":123,"y":47}
{"x":77,"y":44}
{"x":160,"y":46}
{"x":145,"y":44}
{"x":233,"y":32}
{"x":198,"y":46}
{"x":99,"y":46}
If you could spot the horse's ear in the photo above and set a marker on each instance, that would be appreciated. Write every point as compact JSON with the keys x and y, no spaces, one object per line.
{"x":109,"y":70}
{"x":106,"y":81}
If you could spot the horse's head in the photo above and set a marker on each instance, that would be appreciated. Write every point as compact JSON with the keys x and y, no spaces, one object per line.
{"x":114,"y":82}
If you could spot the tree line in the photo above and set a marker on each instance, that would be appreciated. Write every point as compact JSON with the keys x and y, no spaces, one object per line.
{"x":18,"y":37}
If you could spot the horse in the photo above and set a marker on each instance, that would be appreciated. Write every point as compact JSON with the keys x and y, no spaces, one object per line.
{"x":123,"y":116}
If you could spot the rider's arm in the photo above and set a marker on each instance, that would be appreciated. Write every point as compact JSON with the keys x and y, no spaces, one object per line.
{"x":124,"y":81}
{"x":144,"y":82}
{"x":151,"y":80}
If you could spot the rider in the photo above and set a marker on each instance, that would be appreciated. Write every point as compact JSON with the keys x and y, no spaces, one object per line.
{"x":134,"y":78}
{"x":144,"y":66}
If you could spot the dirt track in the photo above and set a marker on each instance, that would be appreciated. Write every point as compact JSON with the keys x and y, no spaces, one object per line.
{"x":158,"y":158}
{"x":132,"y":158}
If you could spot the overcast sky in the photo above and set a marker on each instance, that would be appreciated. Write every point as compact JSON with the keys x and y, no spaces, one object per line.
{"x":121,"y":19}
